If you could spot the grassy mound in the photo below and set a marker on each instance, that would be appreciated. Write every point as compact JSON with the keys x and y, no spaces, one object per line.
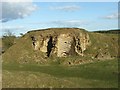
{"x":102,"y":45}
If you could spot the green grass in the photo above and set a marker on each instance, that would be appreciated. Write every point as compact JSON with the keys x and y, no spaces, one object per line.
{"x":90,"y":75}
{"x":105,"y":42}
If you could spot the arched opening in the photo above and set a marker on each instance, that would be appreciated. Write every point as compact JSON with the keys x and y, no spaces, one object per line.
{"x":49,"y":46}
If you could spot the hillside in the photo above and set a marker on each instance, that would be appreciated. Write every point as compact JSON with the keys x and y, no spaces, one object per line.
{"x":62,"y":58}
{"x":60,"y":44}
{"x":117,"y":31}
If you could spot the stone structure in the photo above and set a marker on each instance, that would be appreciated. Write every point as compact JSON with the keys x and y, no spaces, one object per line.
{"x":65,"y":44}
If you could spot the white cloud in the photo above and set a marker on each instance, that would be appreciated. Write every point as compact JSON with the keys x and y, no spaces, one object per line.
{"x":16,"y":10}
{"x":12,"y":27}
{"x":69,"y":23}
{"x":17,"y":0}
{"x":62,"y":23}
{"x":66,"y":8}
{"x":112,"y":16}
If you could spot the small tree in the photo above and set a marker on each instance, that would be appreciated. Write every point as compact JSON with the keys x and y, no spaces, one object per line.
{"x":7,"y":40}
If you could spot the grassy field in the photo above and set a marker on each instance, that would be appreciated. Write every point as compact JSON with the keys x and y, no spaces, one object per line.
{"x":91,"y":75}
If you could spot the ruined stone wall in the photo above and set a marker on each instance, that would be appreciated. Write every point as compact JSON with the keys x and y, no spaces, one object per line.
{"x":82,"y":41}
{"x":65,"y":45}
{"x":62,"y":45}
{"x":43,"y":48}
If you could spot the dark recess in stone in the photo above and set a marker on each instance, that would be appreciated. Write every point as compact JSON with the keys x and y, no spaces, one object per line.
{"x":49,"y":46}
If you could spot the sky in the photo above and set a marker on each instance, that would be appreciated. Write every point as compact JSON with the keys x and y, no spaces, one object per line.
{"x":21,"y":17}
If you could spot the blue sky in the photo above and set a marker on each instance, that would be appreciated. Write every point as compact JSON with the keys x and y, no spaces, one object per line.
{"x":92,"y":16}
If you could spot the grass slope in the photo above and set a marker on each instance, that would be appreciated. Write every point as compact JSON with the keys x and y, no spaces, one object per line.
{"x":23,"y":51}
{"x":103,"y":43}
{"x":91,"y":75}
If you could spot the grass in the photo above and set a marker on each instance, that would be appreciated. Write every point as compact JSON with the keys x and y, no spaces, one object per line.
{"x":35,"y":71}
{"x":105,"y":42}
{"x":90,"y":75}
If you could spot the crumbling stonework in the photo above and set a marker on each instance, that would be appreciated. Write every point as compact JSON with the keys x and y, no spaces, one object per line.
{"x":44,"y":45}
{"x":63,"y":45}
{"x":82,"y":41}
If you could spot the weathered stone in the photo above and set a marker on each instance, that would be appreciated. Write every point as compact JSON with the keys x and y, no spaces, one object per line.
{"x":44,"y":46}
{"x":62,"y":45}
{"x":65,"y":45}
{"x":81,"y":43}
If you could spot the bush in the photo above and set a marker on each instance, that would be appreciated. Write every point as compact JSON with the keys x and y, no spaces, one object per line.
{"x":8,"y":40}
